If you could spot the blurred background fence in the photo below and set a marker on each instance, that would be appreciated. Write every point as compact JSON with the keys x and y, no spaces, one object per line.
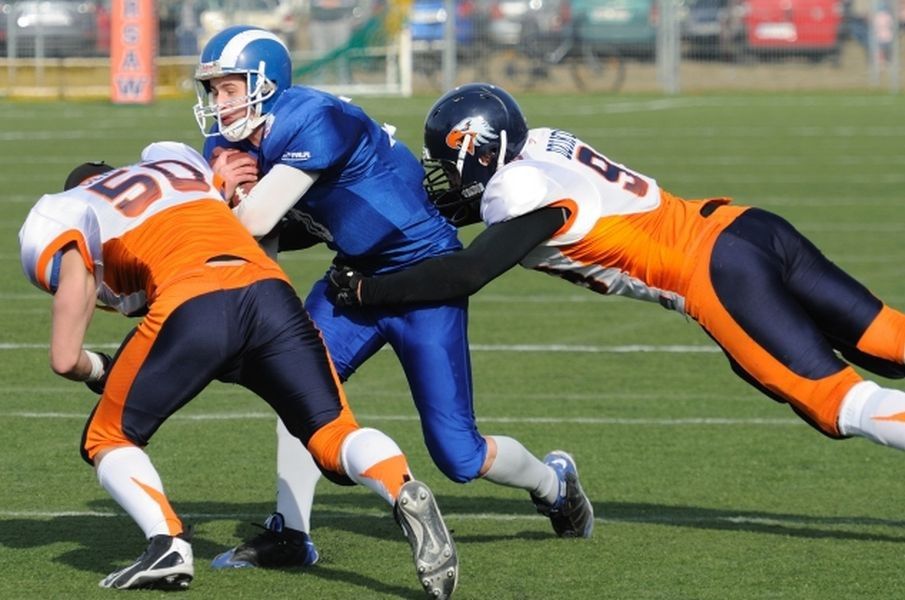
{"x":61,"y":48}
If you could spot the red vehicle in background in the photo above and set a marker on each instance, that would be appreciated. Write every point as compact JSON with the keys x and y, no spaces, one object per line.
{"x":774,"y":28}
{"x":102,"y":18}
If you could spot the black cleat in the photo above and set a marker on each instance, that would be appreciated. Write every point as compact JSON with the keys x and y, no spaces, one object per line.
{"x":276,"y":547}
{"x":167,"y":564}
{"x":572,"y":514}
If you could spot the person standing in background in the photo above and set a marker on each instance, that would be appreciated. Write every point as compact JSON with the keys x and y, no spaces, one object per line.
{"x":330,"y":26}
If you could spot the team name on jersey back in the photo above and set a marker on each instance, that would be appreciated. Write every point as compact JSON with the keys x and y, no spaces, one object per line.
{"x":562,"y":142}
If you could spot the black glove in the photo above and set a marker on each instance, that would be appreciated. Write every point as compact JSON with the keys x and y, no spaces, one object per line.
{"x":97,"y":386}
{"x":345,"y":283}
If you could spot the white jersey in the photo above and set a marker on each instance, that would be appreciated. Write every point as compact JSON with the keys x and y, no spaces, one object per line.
{"x":98,"y":216}
{"x":625,"y":235}
{"x":556,"y":168}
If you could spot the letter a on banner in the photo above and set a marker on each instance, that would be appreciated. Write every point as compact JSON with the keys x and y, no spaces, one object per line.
{"x":133,"y":40}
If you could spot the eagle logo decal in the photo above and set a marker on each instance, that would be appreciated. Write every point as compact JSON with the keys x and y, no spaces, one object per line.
{"x":475,"y":129}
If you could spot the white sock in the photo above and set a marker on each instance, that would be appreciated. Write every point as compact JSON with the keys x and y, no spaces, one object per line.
{"x":514,"y":466}
{"x":373,"y":460}
{"x":129,"y":477}
{"x":297,"y":477}
{"x":875,"y":413}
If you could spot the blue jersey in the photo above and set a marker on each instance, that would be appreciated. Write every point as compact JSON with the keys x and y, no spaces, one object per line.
{"x":368,"y":203}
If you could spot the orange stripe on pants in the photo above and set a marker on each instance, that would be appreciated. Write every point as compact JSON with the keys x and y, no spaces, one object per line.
{"x":818,"y":400}
{"x":105,"y":427}
{"x":326,"y":443}
{"x":885,"y":336}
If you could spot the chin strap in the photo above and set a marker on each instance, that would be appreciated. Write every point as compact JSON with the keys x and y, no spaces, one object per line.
{"x":466,"y":144}
{"x":463,"y":152}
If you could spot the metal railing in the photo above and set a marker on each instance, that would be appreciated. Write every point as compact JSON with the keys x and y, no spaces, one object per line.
{"x":667,"y":46}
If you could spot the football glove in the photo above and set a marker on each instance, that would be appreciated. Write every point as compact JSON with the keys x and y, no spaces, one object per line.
{"x":346,"y":284}
{"x":97,"y":385}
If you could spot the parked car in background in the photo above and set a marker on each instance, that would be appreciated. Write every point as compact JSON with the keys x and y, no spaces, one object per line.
{"x":626,"y":27}
{"x":54,"y":28}
{"x":513,"y":22}
{"x":774,"y":28}
{"x":427,"y":23}
{"x":278,"y":16}
{"x":701,"y":26}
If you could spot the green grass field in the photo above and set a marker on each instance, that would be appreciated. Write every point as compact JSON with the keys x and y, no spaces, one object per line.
{"x":703,"y":489}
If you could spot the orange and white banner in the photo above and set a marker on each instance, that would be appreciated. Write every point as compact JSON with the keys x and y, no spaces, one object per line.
{"x":133,"y":40}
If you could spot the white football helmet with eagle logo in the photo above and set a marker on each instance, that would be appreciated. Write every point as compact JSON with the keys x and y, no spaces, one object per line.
{"x":469,"y":133}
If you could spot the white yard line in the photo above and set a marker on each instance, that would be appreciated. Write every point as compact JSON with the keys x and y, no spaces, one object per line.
{"x":657,"y":422}
{"x":668,"y":348}
{"x":336,"y":514}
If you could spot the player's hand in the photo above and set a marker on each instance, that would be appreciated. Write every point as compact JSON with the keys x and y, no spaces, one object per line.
{"x":97,"y":386}
{"x":346,"y":285}
{"x":234,"y":168}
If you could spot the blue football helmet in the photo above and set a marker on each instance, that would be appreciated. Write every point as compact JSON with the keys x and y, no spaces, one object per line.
{"x":469,"y":133}
{"x":257,"y":54}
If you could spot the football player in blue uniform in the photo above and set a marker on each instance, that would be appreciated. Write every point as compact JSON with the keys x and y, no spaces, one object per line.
{"x":329,"y":173}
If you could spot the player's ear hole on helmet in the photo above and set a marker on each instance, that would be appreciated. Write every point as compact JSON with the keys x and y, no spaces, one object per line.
{"x":487,"y":158}
{"x":267,"y":87}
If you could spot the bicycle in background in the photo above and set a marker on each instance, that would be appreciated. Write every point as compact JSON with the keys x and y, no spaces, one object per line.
{"x":592,"y":65}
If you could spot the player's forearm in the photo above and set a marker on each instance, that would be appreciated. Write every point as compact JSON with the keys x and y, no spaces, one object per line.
{"x":73,"y":307}
{"x":87,"y":366}
{"x":272,"y":197}
{"x":436,"y":279}
{"x":493,"y":252}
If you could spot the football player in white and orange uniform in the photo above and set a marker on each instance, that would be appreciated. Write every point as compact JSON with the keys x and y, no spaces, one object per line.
{"x":157,"y":239}
{"x":776,"y":306}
